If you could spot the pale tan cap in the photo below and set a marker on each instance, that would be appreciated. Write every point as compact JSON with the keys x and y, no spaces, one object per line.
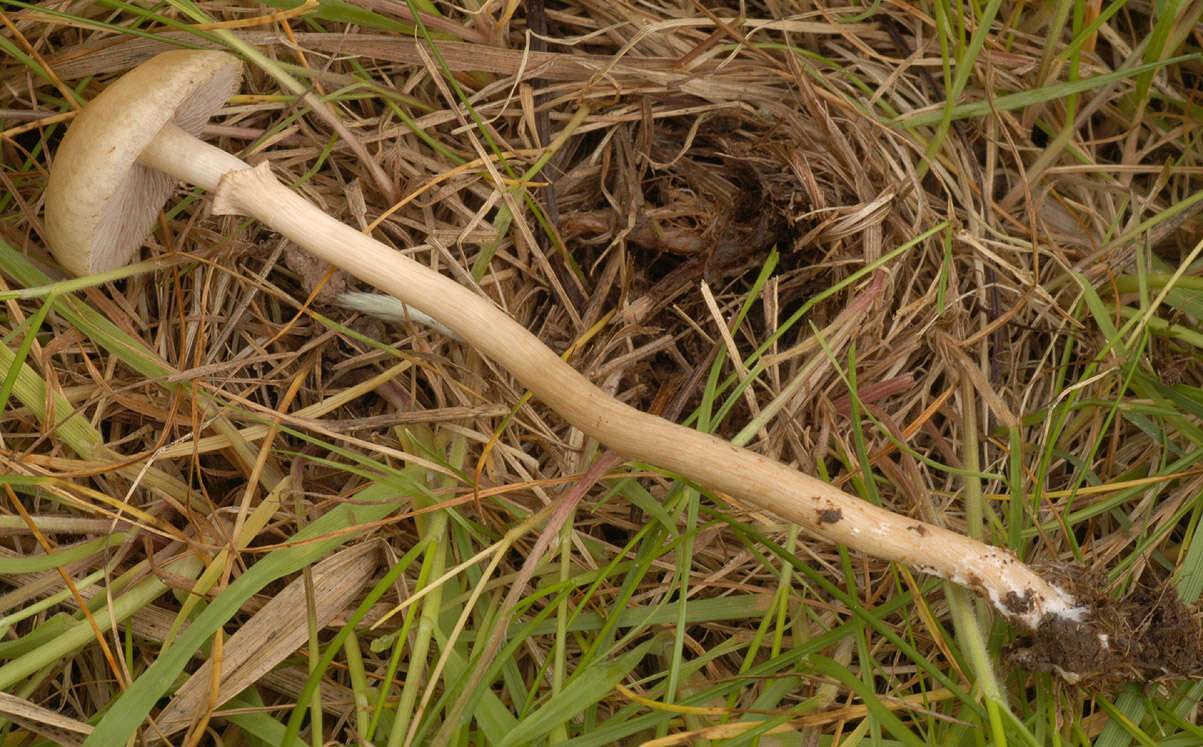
{"x":100,"y":202}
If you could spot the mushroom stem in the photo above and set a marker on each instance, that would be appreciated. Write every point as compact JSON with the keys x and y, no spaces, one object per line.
{"x":190,"y":159}
{"x":1017,"y":591}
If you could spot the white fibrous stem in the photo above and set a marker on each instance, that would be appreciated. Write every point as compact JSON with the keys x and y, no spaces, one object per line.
{"x":1015,"y":590}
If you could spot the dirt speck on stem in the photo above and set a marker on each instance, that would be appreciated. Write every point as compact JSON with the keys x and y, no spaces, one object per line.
{"x":830,"y":516}
{"x":1019,"y":604}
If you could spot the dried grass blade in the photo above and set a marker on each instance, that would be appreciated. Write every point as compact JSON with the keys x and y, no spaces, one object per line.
{"x":42,"y":721}
{"x":273,"y":634}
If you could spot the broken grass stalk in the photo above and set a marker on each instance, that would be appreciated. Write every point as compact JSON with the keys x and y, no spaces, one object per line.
{"x":150,"y":117}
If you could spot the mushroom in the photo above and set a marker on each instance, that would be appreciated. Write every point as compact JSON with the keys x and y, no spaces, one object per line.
{"x":118,"y":162}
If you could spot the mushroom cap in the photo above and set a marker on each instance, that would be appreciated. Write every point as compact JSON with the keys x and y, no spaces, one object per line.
{"x":100,"y":202}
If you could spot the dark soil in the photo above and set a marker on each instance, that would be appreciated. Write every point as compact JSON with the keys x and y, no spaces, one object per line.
{"x":1148,"y":635}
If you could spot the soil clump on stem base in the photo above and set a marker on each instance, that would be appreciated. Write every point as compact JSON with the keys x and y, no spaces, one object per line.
{"x":1148,"y":635}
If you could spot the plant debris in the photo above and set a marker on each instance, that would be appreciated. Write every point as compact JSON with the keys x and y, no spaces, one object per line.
{"x":692,"y":199}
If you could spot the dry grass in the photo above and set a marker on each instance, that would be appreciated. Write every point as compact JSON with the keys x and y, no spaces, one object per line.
{"x":722,"y":193}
